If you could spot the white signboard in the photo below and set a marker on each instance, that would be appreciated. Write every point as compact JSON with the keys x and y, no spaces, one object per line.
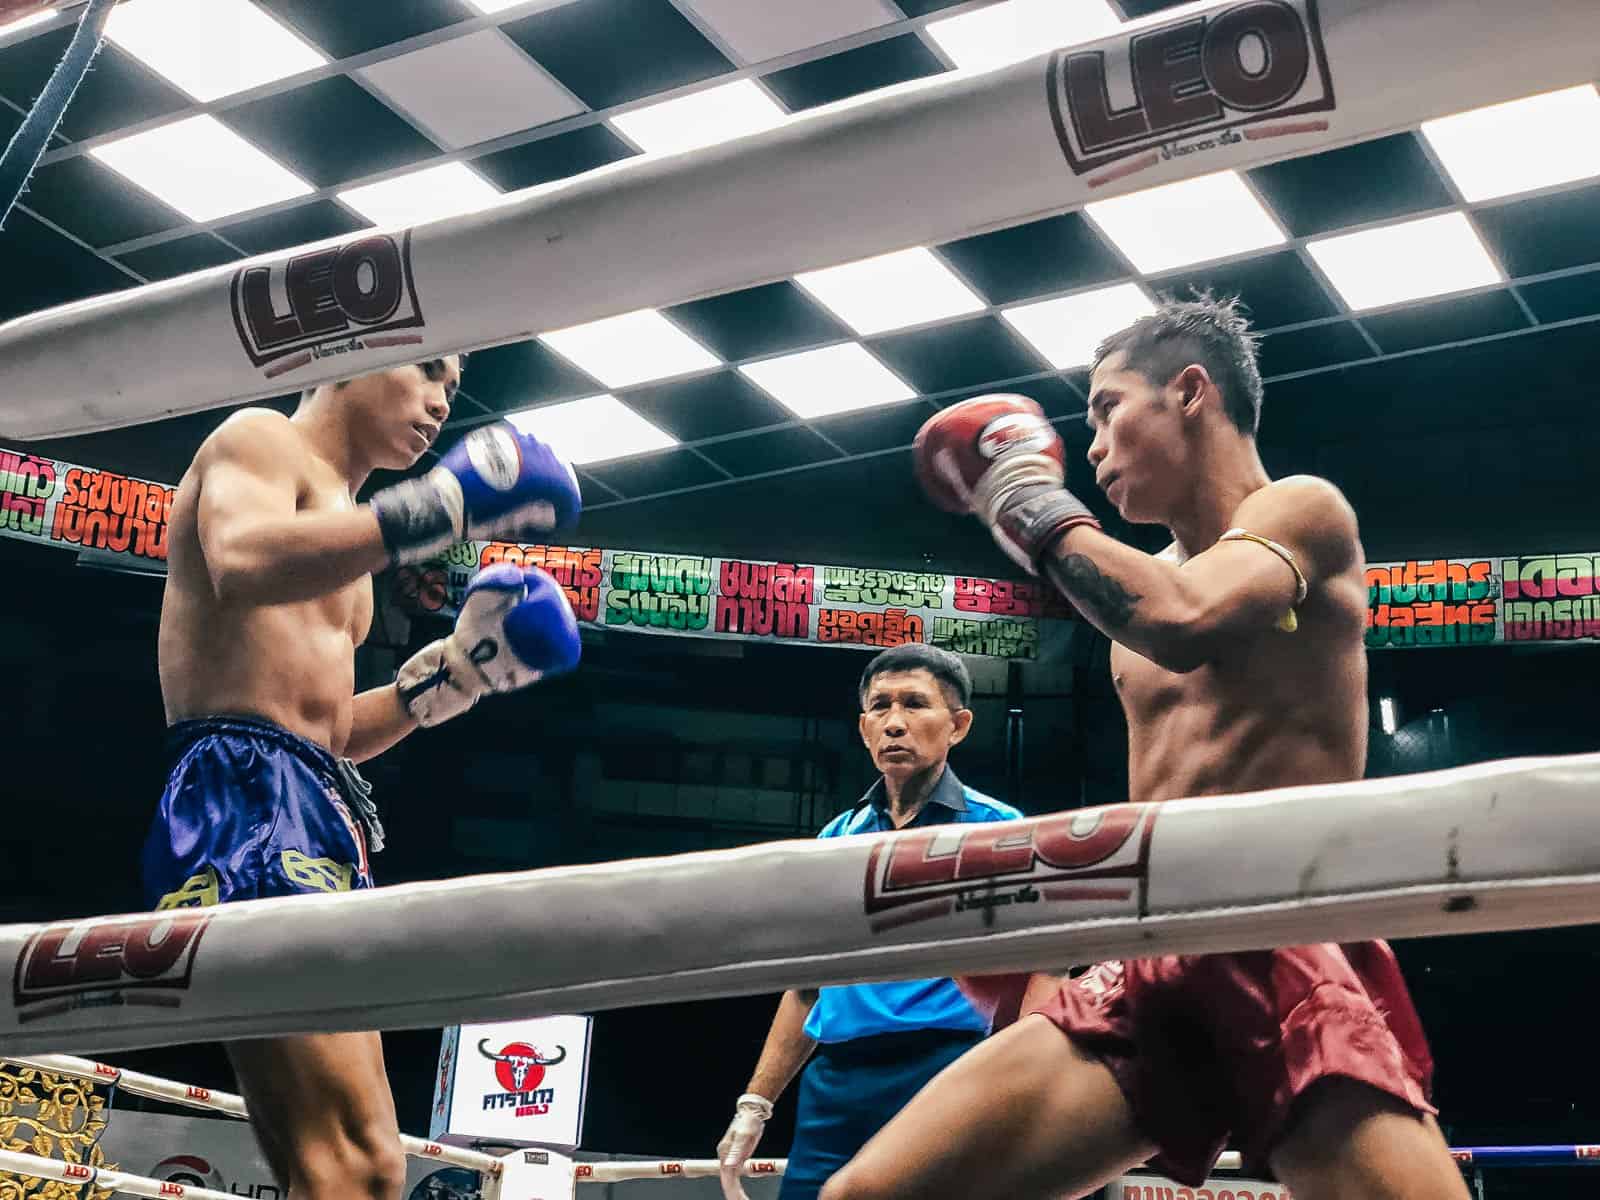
{"x":513,"y":1083}
{"x":1154,"y":1187}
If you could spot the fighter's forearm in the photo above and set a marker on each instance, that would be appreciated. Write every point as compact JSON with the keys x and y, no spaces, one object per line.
{"x":379,"y":721}
{"x":284,"y":560}
{"x":787,"y":1046}
{"x":1130,"y":596}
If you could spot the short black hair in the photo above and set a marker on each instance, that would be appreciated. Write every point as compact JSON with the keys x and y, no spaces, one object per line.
{"x":1214,"y":333}
{"x":951,"y":673}
{"x":461,"y":364}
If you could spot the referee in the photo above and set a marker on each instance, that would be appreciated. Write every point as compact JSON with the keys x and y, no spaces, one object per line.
{"x":876,"y":1043}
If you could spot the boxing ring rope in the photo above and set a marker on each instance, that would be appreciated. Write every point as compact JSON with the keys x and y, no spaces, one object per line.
{"x":1505,"y":845}
{"x":170,"y":1090}
{"x":823,"y":188}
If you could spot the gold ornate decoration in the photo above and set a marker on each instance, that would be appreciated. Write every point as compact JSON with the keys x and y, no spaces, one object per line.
{"x":56,"y":1116}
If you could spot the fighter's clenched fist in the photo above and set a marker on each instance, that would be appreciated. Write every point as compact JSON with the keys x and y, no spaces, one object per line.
{"x":998,"y":457}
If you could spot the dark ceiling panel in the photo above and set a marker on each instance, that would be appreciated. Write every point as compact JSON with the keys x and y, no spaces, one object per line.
{"x":759,"y":321}
{"x":1371,"y":181}
{"x":1545,"y":233}
{"x":96,"y":203}
{"x":1056,"y":254}
{"x":774,"y":451}
{"x":962,"y":355}
{"x":1305,"y":349}
{"x":330,"y":132}
{"x":852,"y":72}
{"x":120,"y":91}
{"x":1278,"y":289}
{"x":523,"y":374}
{"x":1449,"y":320}
{"x":551,"y":158}
{"x":1565,"y":298}
{"x":170,"y":259}
{"x":875,"y":429}
{"x":649,"y":474}
{"x":309,"y":222}
{"x":709,"y":405}
{"x":41,"y":268}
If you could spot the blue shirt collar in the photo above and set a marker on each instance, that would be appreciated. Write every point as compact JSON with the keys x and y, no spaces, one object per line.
{"x":949,"y":791}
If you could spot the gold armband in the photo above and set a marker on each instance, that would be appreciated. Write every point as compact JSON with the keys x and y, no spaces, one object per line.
{"x":1288,"y":622}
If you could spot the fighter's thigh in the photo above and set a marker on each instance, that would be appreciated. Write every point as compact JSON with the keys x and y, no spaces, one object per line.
{"x":316,"y":1096}
{"x":1349,"y":1141}
{"x":1024,"y":1114}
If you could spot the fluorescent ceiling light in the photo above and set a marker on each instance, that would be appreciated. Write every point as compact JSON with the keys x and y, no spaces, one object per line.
{"x":1067,"y":330}
{"x":835,"y":379}
{"x":1409,"y":261}
{"x":210,"y":48}
{"x":891,"y":291}
{"x":1520,"y":145}
{"x":636,"y":347}
{"x":426,"y":195}
{"x":201,"y":168}
{"x":1191,"y":221}
{"x":1006,"y":33}
{"x":699,"y":119}
{"x":593,"y":430}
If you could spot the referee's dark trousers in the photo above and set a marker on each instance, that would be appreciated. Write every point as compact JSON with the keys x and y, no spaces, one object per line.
{"x":850,"y":1090}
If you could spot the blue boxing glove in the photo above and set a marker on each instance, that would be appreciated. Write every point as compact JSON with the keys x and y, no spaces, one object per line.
{"x":515,"y":627}
{"x":498,"y":483}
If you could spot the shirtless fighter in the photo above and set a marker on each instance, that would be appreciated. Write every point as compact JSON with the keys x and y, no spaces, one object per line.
{"x":1239,"y":659}
{"x":267,"y":597}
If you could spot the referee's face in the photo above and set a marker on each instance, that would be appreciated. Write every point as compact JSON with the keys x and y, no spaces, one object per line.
{"x":907,"y":723}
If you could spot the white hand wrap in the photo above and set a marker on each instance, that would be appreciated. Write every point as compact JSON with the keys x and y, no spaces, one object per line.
{"x":750,"y":1116}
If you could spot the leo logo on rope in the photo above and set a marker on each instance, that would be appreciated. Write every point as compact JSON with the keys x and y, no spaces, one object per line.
{"x":519,"y":1070}
{"x":1198,"y":78}
{"x":138,"y":960}
{"x":1100,"y":854}
{"x":336,"y":300}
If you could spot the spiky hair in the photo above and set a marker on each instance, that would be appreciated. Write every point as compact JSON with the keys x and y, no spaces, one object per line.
{"x":1214,"y":333}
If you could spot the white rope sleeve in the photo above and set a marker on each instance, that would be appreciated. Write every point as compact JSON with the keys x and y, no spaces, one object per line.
{"x":977,"y":152}
{"x":77,"y":1174}
{"x":1505,"y":845}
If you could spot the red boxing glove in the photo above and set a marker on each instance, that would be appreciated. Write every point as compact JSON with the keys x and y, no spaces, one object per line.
{"x":999,"y":458}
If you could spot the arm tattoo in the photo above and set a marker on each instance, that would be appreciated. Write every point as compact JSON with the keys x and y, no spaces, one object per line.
{"x":1082,"y":581}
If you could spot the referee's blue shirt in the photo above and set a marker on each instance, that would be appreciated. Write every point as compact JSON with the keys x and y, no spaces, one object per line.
{"x":859,"y":1010}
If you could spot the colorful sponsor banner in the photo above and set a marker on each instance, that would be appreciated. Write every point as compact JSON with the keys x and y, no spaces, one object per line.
{"x":757,"y":599}
{"x":1493,"y":599}
{"x":513,"y":1082}
{"x":1537,"y":598}
{"x":1155,"y":1187}
{"x":58,"y":503}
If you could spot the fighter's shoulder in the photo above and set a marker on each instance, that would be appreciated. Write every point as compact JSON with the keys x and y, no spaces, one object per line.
{"x":253,"y":438}
{"x":1311,"y":511}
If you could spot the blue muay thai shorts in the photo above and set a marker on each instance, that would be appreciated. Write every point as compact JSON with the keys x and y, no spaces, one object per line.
{"x":252,"y":810}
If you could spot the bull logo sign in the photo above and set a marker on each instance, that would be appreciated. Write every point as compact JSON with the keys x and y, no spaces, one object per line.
{"x":520,"y":1067}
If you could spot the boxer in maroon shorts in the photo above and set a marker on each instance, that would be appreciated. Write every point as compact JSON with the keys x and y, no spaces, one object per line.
{"x":1239,"y":657}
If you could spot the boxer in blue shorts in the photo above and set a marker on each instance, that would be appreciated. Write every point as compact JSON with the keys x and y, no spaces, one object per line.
{"x":268,"y":595}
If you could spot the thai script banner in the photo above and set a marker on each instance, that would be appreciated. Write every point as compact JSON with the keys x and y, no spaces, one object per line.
{"x":1493,"y":599}
{"x":753,"y":599}
{"x":57,"y":503}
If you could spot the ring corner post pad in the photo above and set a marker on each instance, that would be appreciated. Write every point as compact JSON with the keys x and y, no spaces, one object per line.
{"x":530,"y":1174}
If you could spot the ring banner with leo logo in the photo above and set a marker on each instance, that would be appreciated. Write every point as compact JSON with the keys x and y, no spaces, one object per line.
{"x":1549,"y":598}
{"x":513,"y":1083}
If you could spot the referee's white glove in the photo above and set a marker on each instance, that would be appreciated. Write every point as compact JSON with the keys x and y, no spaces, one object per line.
{"x":750,"y":1117}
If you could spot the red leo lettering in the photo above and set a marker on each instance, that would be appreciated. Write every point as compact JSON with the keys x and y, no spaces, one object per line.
{"x":1058,"y":843}
{"x":994,"y":850}
{"x":912,"y":863}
